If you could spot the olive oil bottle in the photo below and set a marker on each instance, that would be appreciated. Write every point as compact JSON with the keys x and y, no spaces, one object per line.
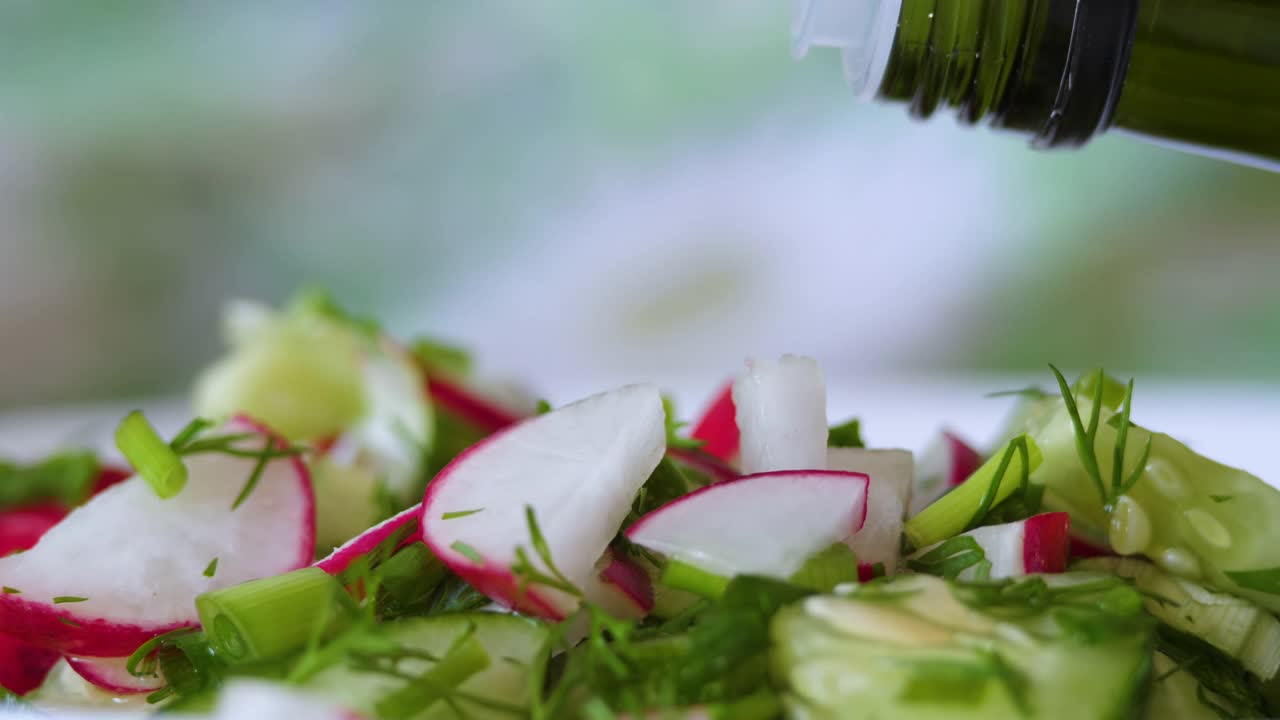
{"x":1200,"y":75}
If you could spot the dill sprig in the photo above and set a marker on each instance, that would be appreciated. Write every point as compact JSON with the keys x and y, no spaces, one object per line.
{"x":189,"y":442}
{"x":1086,"y":438}
{"x":528,"y":574}
{"x":952,"y":557}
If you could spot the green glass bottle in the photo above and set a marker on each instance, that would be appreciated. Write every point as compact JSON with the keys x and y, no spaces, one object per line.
{"x":1199,"y":75}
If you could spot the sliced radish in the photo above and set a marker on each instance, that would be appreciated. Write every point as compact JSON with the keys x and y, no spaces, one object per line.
{"x":376,"y":543}
{"x":628,"y":589}
{"x":1039,"y":544}
{"x":470,"y":406}
{"x":112,"y":675}
{"x":880,"y":540}
{"x":715,"y":469}
{"x":948,"y":462}
{"x":766,"y":524}
{"x":718,"y":426}
{"x":139,"y":561}
{"x":782,"y":415}
{"x":578,"y":468}
{"x":23,"y":666}
{"x":1084,"y":547}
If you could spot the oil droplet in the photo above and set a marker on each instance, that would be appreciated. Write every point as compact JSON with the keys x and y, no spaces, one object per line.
{"x":1179,"y":562}
{"x":1208,"y":527}
{"x":1130,"y":530}
{"x":1166,"y":479}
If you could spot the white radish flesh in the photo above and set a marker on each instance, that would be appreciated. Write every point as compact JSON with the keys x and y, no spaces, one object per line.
{"x":766,"y":524}
{"x":880,"y":540}
{"x":781,"y":410}
{"x":577,"y":468}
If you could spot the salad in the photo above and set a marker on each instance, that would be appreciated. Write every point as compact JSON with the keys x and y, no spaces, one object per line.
{"x":353,"y":526}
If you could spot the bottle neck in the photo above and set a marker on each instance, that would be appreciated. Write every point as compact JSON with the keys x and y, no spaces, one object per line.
{"x":1053,"y":69}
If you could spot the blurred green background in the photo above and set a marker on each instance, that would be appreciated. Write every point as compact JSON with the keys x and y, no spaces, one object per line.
{"x":577,"y":186}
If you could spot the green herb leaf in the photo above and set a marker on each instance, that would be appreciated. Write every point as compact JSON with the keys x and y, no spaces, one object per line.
{"x":152,"y":457}
{"x":1216,"y":672}
{"x":950,"y":558}
{"x":211,"y":568}
{"x":65,"y":478}
{"x":188,"y":433}
{"x":441,"y":357}
{"x":11,"y":591}
{"x":674,"y":440}
{"x":1221,"y":498}
{"x":826,"y":569}
{"x":846,"y":435}
{"x":60,"y":599}
{"x":1032,"y":392}
{"x":256,"y":475}
{"x":542,"y":407}
{"x":68,"y":621}
{"x":460,"y":514}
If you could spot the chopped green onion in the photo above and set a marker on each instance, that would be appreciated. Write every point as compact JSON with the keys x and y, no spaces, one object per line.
{"x":846,"y":435}
{"x":680,"y":575}
{"x":459,"y":514}
{"x":211,"y":568}
{"x":274,"y":616}
{"x":466,"y":658}
{"x":60,"y":599}
{"x":994,"y":482}
{"x":142,"y":663}
{"x":443,"y":358}
{"x":826,"y":569}
{"x":151,"y":456}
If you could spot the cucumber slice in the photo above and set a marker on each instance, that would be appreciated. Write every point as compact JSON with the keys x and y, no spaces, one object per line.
{"x":922,"y":647}
{"x":1191,"y":516}
{"x":1235,"y":626}
{"x":1173,"y":695}
{"x":515,"y":645}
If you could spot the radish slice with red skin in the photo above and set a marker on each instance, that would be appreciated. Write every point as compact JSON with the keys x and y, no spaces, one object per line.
{"x":948,"y":462}
{"x":1039,"y":544}
{"x":718,"y":426}
{"x":781,"y":411}
{"x":879,"y":542}
{"x":112,"y":675}
{"x":765,"y":524}
{"x":378,"y":542}
{"x":1082,"y":547}
{"x":23,"y":666}
{"x":578,"y":468}
{"x":144,"y":581}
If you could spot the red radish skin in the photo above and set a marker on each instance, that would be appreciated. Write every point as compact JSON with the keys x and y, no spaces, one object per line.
{"x":1082,"y":547}
{"x":369,"y":540}
{"x":21,"y":528}
{"x":112,"y":675}
{"x":964,"y":459}
{"x":631,"y":581}
{"x":63,"y":627}
{"x":770,"y":544}
{"x":23,"y":666}
{"x":718,"y":426}
{"x":711,"y":466}
{"x":469,"y":406}
{"x":1047,"y":543}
